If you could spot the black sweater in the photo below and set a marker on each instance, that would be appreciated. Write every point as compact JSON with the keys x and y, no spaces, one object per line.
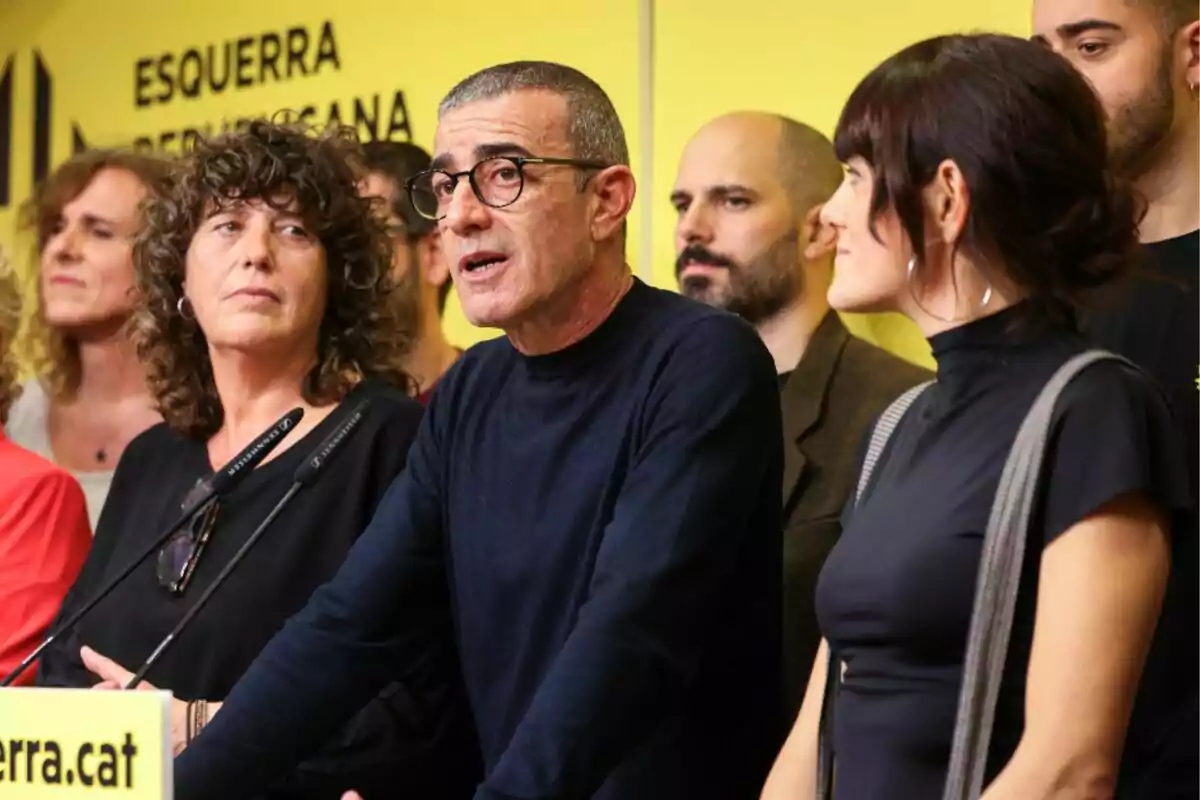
{"x":604,"y":524}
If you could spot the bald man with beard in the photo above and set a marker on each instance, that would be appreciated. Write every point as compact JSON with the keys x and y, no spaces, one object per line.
{"x":749,"y":240}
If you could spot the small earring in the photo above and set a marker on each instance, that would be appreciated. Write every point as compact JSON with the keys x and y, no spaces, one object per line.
{"x":181,"y":305}
{"x":986,"y":297}
{"x":912,"y":264}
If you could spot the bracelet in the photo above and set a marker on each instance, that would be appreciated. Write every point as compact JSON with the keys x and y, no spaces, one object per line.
{"x":188,"y":715}
{"x":201,"y":715}
{"x":195,"y":718}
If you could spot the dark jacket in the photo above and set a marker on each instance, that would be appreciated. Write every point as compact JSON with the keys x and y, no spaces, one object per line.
{"x":840,"y":385}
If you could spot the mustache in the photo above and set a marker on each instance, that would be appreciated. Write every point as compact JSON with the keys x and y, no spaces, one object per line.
{"x":699,"y":254}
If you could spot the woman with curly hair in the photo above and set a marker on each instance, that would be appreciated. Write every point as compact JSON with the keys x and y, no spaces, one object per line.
{"x":89,"y":398}
{"x":44,"y":532}
{"x":978,"y":202}
{"x":265,"y":285}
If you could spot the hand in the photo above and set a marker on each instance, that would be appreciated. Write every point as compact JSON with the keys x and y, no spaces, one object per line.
{"x":113,"y":676}
{"x":352,"y":796}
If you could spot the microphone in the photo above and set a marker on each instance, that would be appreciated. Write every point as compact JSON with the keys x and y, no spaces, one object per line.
{"x":305,"y":475}
{"x":233,"y":473}
{"x":220,"y":482}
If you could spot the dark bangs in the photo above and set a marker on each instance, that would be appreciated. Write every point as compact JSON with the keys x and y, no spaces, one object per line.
{"x":1027,"y":133}
{"x":887,"y":119}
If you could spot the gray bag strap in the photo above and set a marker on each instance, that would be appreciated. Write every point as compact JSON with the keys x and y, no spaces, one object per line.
{"x":882,"y":432}
{"x":998,"y":579}
{"x":885,"y":426}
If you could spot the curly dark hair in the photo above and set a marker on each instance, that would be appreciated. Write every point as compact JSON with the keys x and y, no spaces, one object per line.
{"x":10,"y":318}
{"x":1028,"y":133}
{"x":52,"y":354}
{"x":361,"y":335}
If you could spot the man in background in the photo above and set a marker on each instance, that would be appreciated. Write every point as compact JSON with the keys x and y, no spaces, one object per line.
{"x":418,"y":267}
{"x":1142,"y":57}
{"x":749,"y":240}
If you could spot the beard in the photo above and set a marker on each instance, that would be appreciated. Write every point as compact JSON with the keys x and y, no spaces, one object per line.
{"x":1137,"y":130}
{"x":755,"y":291}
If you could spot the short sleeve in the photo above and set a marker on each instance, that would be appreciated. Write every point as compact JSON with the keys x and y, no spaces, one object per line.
{"x":1113,"y":434}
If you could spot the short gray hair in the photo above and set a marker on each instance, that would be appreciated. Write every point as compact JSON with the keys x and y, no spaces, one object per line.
{"x":594,"y":130}
{"x":808,"y":165}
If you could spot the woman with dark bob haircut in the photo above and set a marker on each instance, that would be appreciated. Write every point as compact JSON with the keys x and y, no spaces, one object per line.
{"x":977,"y":202}
{"x":264,"y":282}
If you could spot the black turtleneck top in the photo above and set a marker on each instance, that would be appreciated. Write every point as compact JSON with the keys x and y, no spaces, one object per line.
{"x":895,"y":596}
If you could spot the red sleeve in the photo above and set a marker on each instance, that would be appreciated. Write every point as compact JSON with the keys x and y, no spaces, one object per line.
{"x":44,"y":540}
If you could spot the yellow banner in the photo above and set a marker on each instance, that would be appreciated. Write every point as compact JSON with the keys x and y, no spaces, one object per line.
{"x":78,"y":73}
{"x":60,"y":744}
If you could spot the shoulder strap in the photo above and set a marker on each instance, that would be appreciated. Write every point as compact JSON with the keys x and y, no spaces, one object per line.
{"x":998,"y":581}
{"x":884,"y":427}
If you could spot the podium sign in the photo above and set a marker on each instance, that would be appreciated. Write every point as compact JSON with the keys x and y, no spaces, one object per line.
{"x":63,"y":744}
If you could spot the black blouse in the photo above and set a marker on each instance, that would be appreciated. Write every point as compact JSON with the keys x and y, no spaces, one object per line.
{"x":895,"y":596}
{"x":396,"y":742}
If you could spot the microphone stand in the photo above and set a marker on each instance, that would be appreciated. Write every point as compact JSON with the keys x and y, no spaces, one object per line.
{"x":305,"y":474}
{"x":201,"y":601}
{"x":73,"y":620}
{"x":220,"y":482}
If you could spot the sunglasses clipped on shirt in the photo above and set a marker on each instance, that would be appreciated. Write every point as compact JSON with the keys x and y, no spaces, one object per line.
{"x":178,"y":558}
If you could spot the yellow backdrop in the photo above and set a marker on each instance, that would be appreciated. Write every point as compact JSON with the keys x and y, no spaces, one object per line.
{"x":124,"y":70}
{"x":356,"y":55}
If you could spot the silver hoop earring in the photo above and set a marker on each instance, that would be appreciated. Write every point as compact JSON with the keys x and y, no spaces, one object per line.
{"x":912,"y":265}
{"x":181,"y":305}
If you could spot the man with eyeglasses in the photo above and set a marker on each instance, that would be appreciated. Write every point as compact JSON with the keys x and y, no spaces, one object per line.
{"x":421,"y":273}
{"x":594,"y":497}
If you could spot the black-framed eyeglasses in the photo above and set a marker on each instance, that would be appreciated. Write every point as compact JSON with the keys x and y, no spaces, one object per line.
{"x":496,"y":181}
{"x":178,"y":557}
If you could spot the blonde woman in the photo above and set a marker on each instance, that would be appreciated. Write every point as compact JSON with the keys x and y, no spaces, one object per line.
{"x":89,"y":398}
